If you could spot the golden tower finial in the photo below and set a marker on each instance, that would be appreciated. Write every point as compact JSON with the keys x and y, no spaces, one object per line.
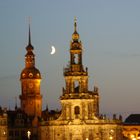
{"x":75,"y":35}
{"x":75,"y":24}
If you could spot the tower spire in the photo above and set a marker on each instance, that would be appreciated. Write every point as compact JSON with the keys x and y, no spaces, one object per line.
{"x":29,"y":43}
{"x":29,"y":46}
{"x":75,"y":35}
{"x":75,"y":24}
{"x":29,"y":32}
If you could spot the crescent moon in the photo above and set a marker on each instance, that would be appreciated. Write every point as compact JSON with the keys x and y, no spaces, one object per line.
{"x":53,"y":50}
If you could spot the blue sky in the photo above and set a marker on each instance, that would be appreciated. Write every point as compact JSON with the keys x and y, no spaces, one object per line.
{"x":109,"y":31}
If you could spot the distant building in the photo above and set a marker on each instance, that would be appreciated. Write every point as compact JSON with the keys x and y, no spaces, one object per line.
{"x":131,"y":127}
{"x":3,"y":125}
{"x":79,"y":118}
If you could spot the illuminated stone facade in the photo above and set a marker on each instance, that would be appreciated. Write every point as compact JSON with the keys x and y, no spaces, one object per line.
{"x":131,"y":127}
{"x":131,"y":131}
{"x":3,"y":125}
{"x":79,"y":118}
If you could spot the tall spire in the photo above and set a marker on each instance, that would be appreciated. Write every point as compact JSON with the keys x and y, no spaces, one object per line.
{"x":29,"y":32}
{"x":29,"y":43}
{"x":30,"y":57}
{"x":29,"y":46}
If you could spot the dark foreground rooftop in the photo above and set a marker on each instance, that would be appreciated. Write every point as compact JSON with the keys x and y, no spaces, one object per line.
{"x":133,"y":119}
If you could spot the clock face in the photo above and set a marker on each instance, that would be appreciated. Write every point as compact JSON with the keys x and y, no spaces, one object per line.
{"x":30,"y":85}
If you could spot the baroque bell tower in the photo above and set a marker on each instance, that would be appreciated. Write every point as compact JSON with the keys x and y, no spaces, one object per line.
{"x":77,"y":101}
{"x":31,"y":100}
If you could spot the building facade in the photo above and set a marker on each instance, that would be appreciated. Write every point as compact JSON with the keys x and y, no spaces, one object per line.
{"x":79,"y":118}
{"x":3,"y":125}
{"x":131,"y":127}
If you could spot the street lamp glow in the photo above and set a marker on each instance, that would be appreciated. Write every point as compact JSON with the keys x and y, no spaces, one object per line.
{"x":132,"y":136}
{"x":138,"y":136}
{"x":28,"y":134}
{"x":4,"y":132}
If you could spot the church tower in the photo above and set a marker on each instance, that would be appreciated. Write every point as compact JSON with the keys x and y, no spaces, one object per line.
{"x":79,"y":117}
{"x":77,"y":101}
{"x":31,"y":100}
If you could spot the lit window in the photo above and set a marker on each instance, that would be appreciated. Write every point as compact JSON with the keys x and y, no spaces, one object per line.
{"x":23,"y":75}
{"x":30,"y":75}
{"x":37,"y":74}
{"x":111,"y":138}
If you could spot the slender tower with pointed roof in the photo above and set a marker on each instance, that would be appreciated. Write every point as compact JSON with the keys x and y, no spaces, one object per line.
{"x":31,"y":99}
{"x":77,"y":101}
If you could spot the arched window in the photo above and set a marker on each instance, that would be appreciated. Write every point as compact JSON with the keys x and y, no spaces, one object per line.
{"x":76,"y":58}
{"x":77,"y":110}
{"x":76,"y":86}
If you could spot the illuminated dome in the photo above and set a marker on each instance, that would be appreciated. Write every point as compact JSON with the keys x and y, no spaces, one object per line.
{"x":75,"y":36}
{"x":30,"y":73}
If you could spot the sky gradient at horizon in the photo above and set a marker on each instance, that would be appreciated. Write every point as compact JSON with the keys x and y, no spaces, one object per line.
{"x":109,"y":31}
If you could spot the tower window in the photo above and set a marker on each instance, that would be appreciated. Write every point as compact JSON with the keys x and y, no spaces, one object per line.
{"x":23,"y":75}
{"x":77,"y":110}
{"x":76,"y":86}
{"x":30,"y":75}
{"x":37,"y":75}
{"x":76,"y":58}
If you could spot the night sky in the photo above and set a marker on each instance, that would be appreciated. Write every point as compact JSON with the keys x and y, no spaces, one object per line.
{"x":109,"y":31}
